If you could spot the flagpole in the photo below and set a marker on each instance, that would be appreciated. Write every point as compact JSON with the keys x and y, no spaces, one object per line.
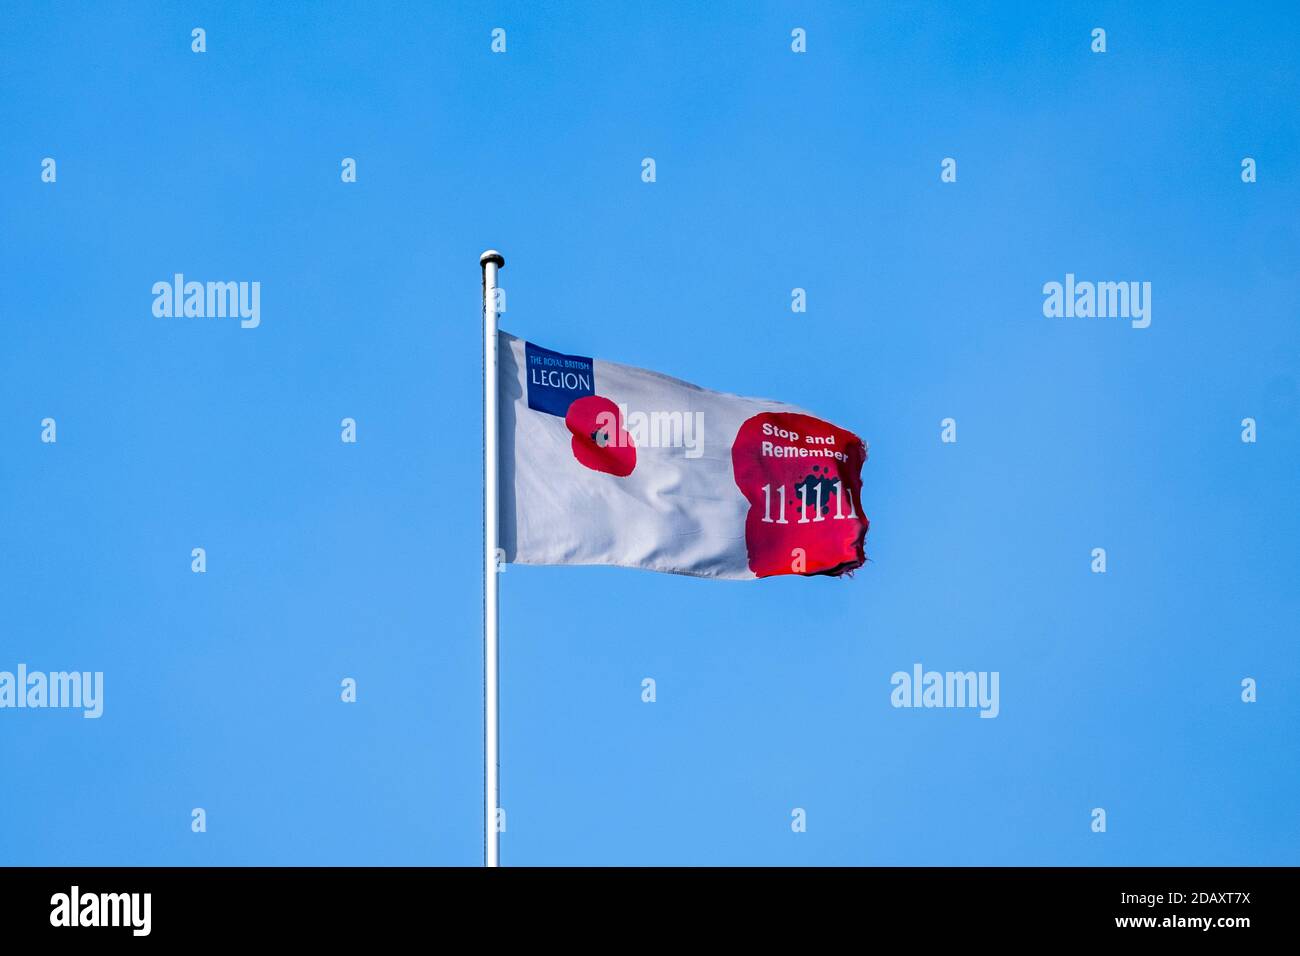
{"x":490,"y":261}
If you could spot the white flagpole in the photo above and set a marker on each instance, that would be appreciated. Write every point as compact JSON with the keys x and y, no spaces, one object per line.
{"x":491,"y":261}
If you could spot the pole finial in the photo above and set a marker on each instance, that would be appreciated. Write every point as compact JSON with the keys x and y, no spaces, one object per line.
{"x":492,"y":255}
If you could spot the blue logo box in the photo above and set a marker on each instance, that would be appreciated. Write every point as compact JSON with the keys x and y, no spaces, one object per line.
{"x":555,"y":380}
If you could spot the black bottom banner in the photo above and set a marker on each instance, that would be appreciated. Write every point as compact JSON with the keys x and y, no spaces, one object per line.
{"x":184,"y":905}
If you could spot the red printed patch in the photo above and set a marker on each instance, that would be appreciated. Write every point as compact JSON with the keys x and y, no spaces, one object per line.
{"x":599,"y":439}
{"x":802,"y":478}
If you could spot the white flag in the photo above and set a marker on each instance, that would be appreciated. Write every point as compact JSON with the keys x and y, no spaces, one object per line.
{"x":602,"y":463}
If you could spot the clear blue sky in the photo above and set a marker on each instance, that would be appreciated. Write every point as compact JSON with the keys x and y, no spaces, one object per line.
{"x":775,"y":171}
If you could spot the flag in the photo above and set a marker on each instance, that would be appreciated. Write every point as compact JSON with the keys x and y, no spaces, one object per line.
{"x":603,"y":463}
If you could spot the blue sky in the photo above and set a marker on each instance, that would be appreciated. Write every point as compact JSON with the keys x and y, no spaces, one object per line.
{"x":775,"y":170}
